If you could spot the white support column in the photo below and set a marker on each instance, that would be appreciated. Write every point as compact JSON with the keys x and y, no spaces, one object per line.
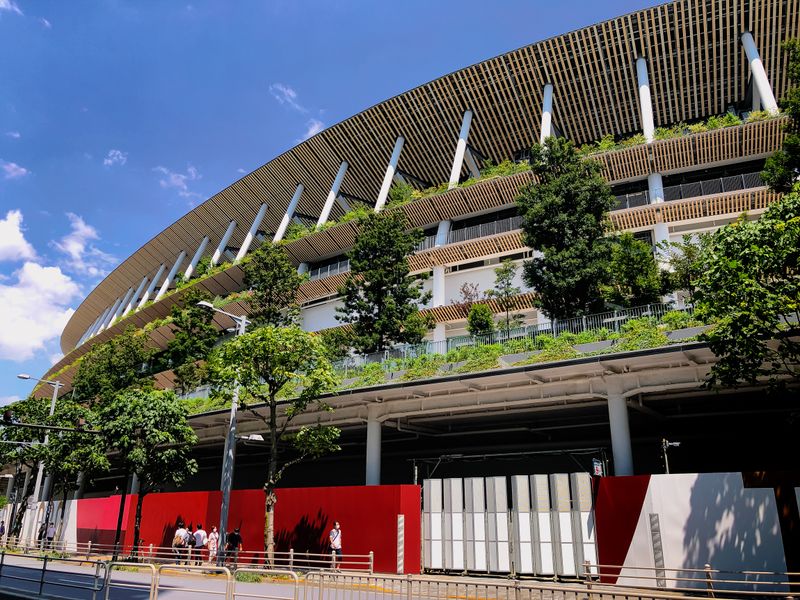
{"x":110,"y":315}
{"x":281,"y":231}
{"x":342,"y":201}
{"x":758,"y":73}
{"x":438,"y":295}
{"x":135,"y":296}
{"x":153,"y":283}
{"x":89,"y":330}
{"x":756,"y":104}
{"x":472,"y":164}
{"x":99,"y":323}
{"x":620,"y":429}
{"x":195,"y":259}
{"x":645,"y":101}
{"x":461,"y":147}
{"x":388,"y":177}
{"x":170,"y":276}
{"x":125,"y":300}
{"x":222,"y":243}
{"x":373,"y":466}
{"x":547,"y":113}
{"x":248,"y":239}
{"x":337,"y":183}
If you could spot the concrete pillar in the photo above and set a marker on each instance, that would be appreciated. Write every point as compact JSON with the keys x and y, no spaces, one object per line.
{"x":125,"y":299}
{"x":461,"y":147}
{"x":153,"y":283}
{"x":110,"y":315}
{"x":99,"y":325}
{"x":187,"y":274}
{"x":337,"y":183}
{"x":620,"y":429}
{"x":373,"y":466}
{"x":758,"y":74}
{"x":170,"y":276}
{"x":388,"y":177}
{"x":88,"y":332}
{"x":281,"y":231}
{"x":222,"y":243}
{"x":547,"y":113}
{"x":645,"y":101}
{"x":472,"y":164}
{"x":756,"y":103}
{"x":135,"y":296}
{"x":248,"y":239}
{"x":655,"y":188}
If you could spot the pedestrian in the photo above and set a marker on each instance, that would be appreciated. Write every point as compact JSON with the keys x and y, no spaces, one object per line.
{"x":179,"y":542}
{"x":335,"y":538}
{"x":233,"y":545}
{"x":40,"y":535}
{"x":190,"y":543}
{"x":2,"y":529}
{"x":200,"y":541}
{"x":213,"y":545}
{"x":51,"y":534}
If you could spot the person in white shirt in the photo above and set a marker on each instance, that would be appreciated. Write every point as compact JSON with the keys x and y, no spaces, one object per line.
{"x":200,"y":541}
{"x":335,"y":538}
{"x":213,"y":545}
{"x":179,"y":546}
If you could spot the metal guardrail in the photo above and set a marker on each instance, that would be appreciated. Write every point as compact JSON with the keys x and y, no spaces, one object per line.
{"x":343,"y":266}
{"x":484,"y":229}
{"x":205,"y":590}
{"x":14,"y":577}
{"x":695,"y":189}
{"x":152,"y":588}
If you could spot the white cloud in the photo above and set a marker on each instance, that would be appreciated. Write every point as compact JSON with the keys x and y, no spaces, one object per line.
{"x":285,"y":94}
{"x":13,"y":245}
{"x":179,"y":181}
{"x":82,"y":256}
{"x":6,"y":400}
{"x":313,"y":127}
{"x":35,"y":308}
{"x":45,"y":23}
{"x":240,"y":170}
{"x":11,"y":169}
{"x":14,"y":134}
{"x":9,"y":6}
{"x":115,"y":157}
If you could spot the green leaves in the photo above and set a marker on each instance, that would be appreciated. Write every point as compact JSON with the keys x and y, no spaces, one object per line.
{"x":782,"y":168}
{"x":274,"y":281}
{"x":633,"y":275}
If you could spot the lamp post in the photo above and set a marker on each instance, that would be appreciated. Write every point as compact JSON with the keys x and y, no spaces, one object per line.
{"x":57,"y":385}
{"x":229,"y":456}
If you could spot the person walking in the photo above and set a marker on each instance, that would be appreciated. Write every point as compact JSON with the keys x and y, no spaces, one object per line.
{"x":50,"y":535}
{"x":179,"y":542}
{"x":233,"y":546}
{"x":335,"y":538}
{"x":190,"y":542}
{"x":200,"y":541}
{"x":213,"y":545}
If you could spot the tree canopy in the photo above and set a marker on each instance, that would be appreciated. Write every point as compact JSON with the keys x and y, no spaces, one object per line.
{"x":565,"y":219}
{"x":782,"y":168}
{"x":633,"y":275}
{"x":504,"y":292}
{"x":194,"y":335}
{"x":274,"y":282}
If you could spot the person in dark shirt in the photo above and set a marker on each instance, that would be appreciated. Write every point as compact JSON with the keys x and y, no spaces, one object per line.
{"x":233,"y":545}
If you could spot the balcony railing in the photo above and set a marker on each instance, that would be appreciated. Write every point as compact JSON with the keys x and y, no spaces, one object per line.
{"x":484,"y":229}
{"x":334,"y":269}
{"x":693,"y":190}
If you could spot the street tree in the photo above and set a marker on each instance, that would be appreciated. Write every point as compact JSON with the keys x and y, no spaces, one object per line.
{"x":274,"y":282}
{"x":505,"y":292}
{"x":480,"y":321}
{"x":685,"y":260}
{"x":565,"y":219}
{"x":750,"y":291}
{"x":194,"y":335}
{"x":149,"y":432}
{"x":782,"y":169}
{"x":281,"y":373}
{"x":380,"y":298}
{"x":633,"y":275}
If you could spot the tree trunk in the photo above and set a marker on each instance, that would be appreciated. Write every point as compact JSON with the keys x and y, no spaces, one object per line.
{"x":122,"y":497}
{"x":62,"y":512}
{"x":138,"y":522}
{"x":269,"y":526}
{"x":269,"y":487}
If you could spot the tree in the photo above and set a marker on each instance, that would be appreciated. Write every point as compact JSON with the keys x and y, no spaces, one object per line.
{"x":115,"y":365}
{"x":274,"y":281}
{"x":782,"y":168}
{"x":470,"y":293}
{"x":633,"y":275}
{"x":565,"y":218}
{"x":505,"y":292}
{"x":280,"y":366}
{"x":480,"y":320}
{"x":149,"y":432}
{"x":685,"y":259}
{"x":194,"y":335}
{"x":381,"y":300}
{"x":751,"y":292}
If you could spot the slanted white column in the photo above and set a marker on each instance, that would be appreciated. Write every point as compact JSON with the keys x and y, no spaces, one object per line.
{"x":187,"y":274}
{"x":281,"y":231}
{"x":620,"y":428}
{"x":99,"y":323}
{"x":342,"y":201}
{"x":438,"y":296}
{"x":461,"y":147}
{"x":88,"y":331}
{"x":222,"y":243}
{"x":170,"y":276}
{"x":337,"y":183}
{"x":388,"y":177}
{"x":655,"y":188}
{"x":756,"y":105}
{"x":645,"y":101}
{"x":124,"y":303}
{"x":135,"y":296}
{"x":248,"y":239}
{"x":373,"y":466}
{"x":110,"y":315}
{"x":758,"y":74}
{"x":547,"y":113}
{"x":472,"y":164}
{"x":153,"y":283}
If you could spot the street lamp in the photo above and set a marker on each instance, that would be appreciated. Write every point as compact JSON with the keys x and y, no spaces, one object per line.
{"x":229,"y":456}
{"x":57,"y":385}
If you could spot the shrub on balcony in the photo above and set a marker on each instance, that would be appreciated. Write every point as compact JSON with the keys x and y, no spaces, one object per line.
{"x":480,"y":321}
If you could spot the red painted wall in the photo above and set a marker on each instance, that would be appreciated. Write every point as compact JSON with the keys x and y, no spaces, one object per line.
{"x":97,"y":520}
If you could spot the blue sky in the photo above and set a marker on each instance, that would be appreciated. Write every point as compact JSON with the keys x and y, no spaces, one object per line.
{"x":116,"y":117}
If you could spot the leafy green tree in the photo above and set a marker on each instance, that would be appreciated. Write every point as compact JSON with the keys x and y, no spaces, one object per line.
{"x":380,"y":297}
{"x":274,"y":281}
{"x":782,"y":168}
{"x":685,"y":260}
{"x":750,"y":290}
{"x":280,"y":366}
{"x":633,"y":275}
{"x":194,"y":335}
{"x":504,"y":292}
{"x":565,"y":218}
{"x":115,"y":365}
{"x":480,"y":320}
{"x":150,"y":434}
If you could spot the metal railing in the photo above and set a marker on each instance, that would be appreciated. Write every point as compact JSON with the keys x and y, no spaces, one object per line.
{"x":693,"y":190}
{"x":28,"y":574}
{"x":343,"y":266}
{"x":484,"y":229}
